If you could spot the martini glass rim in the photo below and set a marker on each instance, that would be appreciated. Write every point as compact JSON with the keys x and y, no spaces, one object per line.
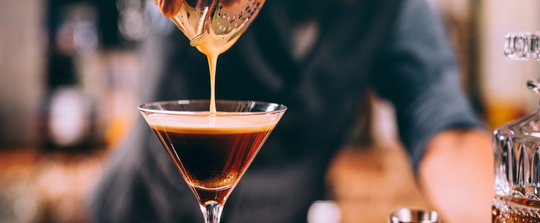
{"x":275,"y":107}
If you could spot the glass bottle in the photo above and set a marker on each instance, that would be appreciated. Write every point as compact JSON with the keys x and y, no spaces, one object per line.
{"x":516,"y":147}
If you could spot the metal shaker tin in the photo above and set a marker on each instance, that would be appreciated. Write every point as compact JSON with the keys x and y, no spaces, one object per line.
{"x":406,"y":215}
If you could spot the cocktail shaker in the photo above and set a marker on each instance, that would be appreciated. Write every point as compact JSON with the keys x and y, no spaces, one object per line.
{"x":406,"y":215}
{"x":209,"y":22}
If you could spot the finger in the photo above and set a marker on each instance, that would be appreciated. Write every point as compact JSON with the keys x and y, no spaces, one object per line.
{"x":259,"y":0}
{"x":230,"y":4}
{"x":170,"y":8}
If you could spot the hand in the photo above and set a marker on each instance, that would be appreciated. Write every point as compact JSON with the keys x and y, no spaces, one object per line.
{"x":170,"y":8}
{"x":456,"y":174}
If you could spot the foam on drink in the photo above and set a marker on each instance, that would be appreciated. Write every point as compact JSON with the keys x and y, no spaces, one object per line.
{"x":204,"y":124}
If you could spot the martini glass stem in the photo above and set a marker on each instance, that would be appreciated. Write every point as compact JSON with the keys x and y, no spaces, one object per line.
{"x":211,"y":211}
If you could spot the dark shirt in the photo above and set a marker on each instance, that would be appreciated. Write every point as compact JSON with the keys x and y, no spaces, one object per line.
{"x":398,"y":48}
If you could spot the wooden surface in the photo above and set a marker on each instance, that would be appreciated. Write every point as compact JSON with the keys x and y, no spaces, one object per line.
{"x":46,"y":187}
{"x":366,"y":183}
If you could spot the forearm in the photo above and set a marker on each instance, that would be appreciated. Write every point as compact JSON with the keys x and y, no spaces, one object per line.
{"x":456,"y":174}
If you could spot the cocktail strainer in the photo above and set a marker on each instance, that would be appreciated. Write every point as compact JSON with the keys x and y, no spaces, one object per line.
{"x":209,"y":20}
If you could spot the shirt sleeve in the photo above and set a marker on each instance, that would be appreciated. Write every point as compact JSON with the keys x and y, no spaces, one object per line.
{"x":417,"y":70}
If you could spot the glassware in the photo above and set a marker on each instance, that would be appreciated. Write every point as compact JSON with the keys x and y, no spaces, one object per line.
{"x":516,"y":148}
{"x":212,"y":151}
{"x":207,"y":24}
{"x":522,"y":46}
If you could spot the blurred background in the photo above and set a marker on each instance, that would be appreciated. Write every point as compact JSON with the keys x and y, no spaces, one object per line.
{"x":70,"y":77}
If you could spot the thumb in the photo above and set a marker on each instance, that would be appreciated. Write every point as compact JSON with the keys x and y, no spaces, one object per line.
{"x":169,"y":8}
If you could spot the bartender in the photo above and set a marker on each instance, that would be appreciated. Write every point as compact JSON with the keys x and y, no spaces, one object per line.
{"x":316,"y":57}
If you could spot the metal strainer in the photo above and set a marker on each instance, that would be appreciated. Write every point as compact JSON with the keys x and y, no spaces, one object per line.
{"x":199,"y":19}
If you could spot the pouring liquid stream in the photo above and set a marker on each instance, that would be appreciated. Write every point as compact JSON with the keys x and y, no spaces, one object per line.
{"x":212,"y":53}
{"x":212,"y":45}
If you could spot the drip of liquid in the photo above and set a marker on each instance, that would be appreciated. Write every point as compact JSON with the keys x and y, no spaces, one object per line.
{"x":212,"y":47}
{"x":212,"y":62}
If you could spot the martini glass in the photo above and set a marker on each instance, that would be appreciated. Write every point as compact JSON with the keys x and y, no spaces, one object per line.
{"x":212,"y":151}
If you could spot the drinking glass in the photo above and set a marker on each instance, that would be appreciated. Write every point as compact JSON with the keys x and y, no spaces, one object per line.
{"x":212,"y":150}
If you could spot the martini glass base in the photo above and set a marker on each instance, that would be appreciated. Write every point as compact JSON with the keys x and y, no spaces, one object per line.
{"x":211,"y":211}
{"x":216,"y":195}
{"x":211,"y":201}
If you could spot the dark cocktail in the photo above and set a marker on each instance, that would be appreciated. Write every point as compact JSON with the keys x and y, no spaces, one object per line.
{"x":212,"y":150}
